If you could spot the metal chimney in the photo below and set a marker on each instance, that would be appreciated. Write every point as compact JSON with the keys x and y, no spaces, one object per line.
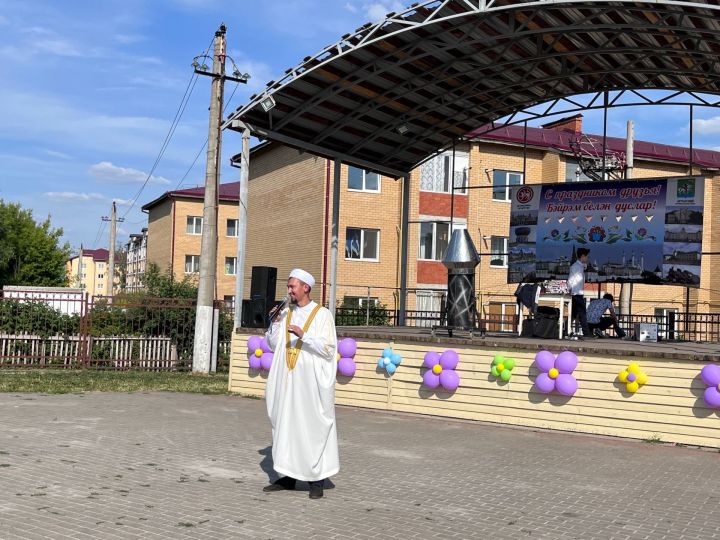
{"x":460,"y":259}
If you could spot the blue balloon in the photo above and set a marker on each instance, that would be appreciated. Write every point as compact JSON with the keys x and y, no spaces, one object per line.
{"x":396,"y":359}
{"x":387,"y":353}
{"x":381,"y":363}
{"x":390,"y":368}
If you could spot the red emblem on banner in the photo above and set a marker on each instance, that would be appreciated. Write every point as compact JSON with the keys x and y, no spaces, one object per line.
{"x":525,"y":194}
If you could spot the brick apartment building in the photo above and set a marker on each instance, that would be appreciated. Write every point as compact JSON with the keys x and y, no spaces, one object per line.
{"x":290,"y":209}
{"x":89,"y":270}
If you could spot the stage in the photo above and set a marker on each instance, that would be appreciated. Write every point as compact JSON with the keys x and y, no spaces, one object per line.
{"x":669,"y":407}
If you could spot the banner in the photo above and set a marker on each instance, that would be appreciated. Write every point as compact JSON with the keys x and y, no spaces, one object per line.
{"x":640,"y":231}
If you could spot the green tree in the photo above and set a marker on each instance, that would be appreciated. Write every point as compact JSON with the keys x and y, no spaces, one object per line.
{"x":30,"y":252}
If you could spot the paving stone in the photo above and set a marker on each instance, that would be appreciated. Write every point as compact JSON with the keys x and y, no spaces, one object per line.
{"x":165,"y":465}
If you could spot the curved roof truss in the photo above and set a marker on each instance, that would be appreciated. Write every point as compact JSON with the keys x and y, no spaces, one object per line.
{"x":392,"y":93}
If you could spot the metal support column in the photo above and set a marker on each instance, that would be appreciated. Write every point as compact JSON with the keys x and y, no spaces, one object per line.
{"x":335,"y":238}
{"x":404,"y":249}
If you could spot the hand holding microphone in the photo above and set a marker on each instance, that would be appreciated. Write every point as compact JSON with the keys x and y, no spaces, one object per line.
{"x":275,"y":312}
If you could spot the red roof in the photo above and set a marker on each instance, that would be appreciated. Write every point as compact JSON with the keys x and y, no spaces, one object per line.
{"x":100,"y":254}
{"x":560,"y":141}
{"x":228,"y":192}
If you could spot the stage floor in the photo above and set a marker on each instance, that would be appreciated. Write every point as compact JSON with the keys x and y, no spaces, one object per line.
{"x":681,"y":350}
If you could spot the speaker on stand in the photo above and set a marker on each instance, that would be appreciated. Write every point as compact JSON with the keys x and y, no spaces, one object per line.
{"x":262,"y":297}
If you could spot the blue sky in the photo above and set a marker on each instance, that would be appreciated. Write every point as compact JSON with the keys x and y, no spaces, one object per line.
{"x":90,"y":89}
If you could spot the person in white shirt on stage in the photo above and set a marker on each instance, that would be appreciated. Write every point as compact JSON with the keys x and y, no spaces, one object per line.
{"x":300,"y":392}
{"x":576,"y":285}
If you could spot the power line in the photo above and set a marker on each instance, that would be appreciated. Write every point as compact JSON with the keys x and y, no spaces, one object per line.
{"x":197,"y":156}
{"x":173,"y":126}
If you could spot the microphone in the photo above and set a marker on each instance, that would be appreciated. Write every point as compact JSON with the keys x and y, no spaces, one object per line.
{"x":279,"y":308}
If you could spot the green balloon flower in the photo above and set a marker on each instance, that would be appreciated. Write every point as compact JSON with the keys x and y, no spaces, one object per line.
{"x":502,"y":367}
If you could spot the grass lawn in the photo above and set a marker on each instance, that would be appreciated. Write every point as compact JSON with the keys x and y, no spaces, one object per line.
{"x":48,"y":381}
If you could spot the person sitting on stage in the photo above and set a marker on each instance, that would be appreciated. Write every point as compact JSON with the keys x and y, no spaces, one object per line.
{"x":597,"y":323}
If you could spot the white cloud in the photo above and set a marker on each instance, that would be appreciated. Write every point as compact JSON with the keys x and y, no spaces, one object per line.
{"x":59,"y":155}
{"x":107,"y":172}
{"x":711,"y":126}
{"x":377,"y":11}
{"x":128,"y":39}
{"x":122,"y":202}
{"x":73,"y":196}
{"x":351,"y":8}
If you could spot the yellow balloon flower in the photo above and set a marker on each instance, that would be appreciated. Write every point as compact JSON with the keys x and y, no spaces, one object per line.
{"x":258,"y":352}
{"x":553,"y":373}
{"x":633,"y":377}
{"x":437,"y":369}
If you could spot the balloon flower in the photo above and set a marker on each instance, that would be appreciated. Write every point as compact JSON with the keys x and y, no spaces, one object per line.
{"x":346,"y":352}
{"x":556,"y":373}
{"x":261,"y":354}
{"x":389,"y":361}
{"x":441,"y":370}
{"x":633,"y":377}
{"x":502,"y":367}
{"x":710,"y":375}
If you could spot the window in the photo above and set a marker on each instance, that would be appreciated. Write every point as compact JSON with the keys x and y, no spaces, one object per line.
{"x":194,"y":225}
{"x":192,"y":264}
{"x":433,"y":240}
{"x":232,"y":227}
{"x":230,"y":266}
{"x":362,"y":244}
{"x":498,"y":251}
{"x":435,"y":173}
{"x":101,"y":276}
{"x":501,"y":316}
{"x":573,"y":172}
{"x":83,"y":266}
{"x":101,"y":266}
{"x":666,"y":320}
{"x":363,"y":180}
{"x":229,"y":301}
{"x":502,"y":180}
{"x":359,"y":301}
{"x":429,"y":307}
{"x":99,"y":285}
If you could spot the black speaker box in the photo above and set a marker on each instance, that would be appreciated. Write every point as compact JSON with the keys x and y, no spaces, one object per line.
{"x":263,"y":282}
{"x":254,"y":313}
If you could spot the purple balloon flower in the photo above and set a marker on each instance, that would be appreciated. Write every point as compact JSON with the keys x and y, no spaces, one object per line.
{"x":441,"y":370}
{"x":710,"y":375}
{"x":556,"y":373}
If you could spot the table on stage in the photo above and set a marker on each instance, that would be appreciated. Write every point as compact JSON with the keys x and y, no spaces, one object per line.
{"x":560,"y":300}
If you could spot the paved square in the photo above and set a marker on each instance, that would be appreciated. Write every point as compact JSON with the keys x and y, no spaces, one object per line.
{"x":163,"y":465}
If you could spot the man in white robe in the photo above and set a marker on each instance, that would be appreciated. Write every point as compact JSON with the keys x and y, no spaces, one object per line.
{"x":300,"y":392}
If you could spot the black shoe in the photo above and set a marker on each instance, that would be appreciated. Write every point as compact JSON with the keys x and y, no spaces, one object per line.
{"x":316,"y":492}
{"x":598,"y":334}
{"x":283,"y":484}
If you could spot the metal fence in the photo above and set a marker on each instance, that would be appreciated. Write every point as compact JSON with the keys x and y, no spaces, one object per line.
{"x":122,"y":332}
{"x":672,"y":326}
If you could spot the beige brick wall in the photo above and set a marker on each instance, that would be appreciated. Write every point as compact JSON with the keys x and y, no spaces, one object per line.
{"x":286,"y":201}
{"x":160,"y":235}
{"x":287,"y":224}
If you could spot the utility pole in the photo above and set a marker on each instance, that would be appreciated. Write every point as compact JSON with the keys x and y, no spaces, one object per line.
{"x":113,"y":219}
{"x":202,"y":347}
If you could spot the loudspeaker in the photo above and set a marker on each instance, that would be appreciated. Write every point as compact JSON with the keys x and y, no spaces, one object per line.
{"x":254,"y":313}
{"x":263,"y":283}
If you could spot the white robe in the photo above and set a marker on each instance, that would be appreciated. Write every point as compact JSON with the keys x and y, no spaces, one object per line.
{"x":301,"y":402}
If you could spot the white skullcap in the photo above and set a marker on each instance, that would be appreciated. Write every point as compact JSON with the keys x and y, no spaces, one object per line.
{"x":302,"y":275}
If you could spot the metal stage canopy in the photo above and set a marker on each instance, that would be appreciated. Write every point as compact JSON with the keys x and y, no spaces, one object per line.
{"x":393,"y":93}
